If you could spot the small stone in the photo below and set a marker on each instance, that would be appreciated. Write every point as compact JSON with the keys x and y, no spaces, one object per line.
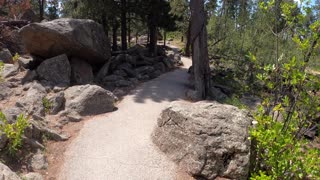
{"x":9,"y":70}
{"x":33,"y":176}
{"x":39,"y":161}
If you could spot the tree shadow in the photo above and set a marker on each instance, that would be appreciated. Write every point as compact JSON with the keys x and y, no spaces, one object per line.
{"x":168,"y":87}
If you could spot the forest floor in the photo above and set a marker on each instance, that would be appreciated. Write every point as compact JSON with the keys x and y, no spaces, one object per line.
{"x":118,"y":145}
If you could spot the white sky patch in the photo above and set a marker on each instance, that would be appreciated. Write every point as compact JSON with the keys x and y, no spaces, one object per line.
{"x":298,"y":1}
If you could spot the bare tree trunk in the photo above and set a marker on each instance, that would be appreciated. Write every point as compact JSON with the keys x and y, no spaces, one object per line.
{"x":41,"y":8}
{"x":200,"y":48}
{"x":164,"y":38}
{"x":148,"y":36}
{"x":124,"y":25}
{"x":188,"y":44}
{"x":153,"y":34}
{"x":114,"y":35}
{"x":129,"y":29}
{"x":153,"y":39}
{"x":137,"y":37}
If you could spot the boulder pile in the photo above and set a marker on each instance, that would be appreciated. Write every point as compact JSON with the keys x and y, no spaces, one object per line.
{"x":68,"y":74}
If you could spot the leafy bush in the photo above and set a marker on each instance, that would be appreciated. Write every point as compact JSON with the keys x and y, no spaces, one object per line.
{"x":47,"y":104}
{"x":235,"y":101}
{"x":289,"y":108}
{"x":13,"y":132}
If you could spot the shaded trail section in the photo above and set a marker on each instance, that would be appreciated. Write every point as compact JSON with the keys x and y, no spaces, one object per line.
{"x":118,"y":145}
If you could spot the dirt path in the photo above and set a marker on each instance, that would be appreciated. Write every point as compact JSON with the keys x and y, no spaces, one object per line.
{"x":118,"y":145}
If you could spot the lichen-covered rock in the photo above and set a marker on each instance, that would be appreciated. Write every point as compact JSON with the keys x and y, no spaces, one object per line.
{"x":89,"y":100}
{"x":38,"y":161}
{"x":80,"y":38}
{"x":207,"y":139}
{"x":55,"y":70}
{"x":7,"y":174}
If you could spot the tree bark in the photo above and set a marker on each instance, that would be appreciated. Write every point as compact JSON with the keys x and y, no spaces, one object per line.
{"x":200,"y":48}
{"x":188,"y":44}
{"x":153,"y":39}
{"x":129,"y":29}
{"x":41,"y":9}
{"x":124,"y":44}
{"x":153,"y":34}
{"x":114,"y":35}
{"x":164,"y":38}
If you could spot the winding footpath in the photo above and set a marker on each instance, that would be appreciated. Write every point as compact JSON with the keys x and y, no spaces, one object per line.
{"x":117,"y":145}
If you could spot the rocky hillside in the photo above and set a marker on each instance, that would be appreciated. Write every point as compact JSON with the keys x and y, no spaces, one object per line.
{"x":68,"y":73}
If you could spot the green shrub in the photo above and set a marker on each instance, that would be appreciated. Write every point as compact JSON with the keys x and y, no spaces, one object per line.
{"x":235,"y":101}
{"x":13,"y":132}
{"x":47,"y":105}
{"x":289,"y":107}
{"x":15,"y":57}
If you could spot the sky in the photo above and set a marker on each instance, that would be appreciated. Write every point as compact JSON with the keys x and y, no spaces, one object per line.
{"x":311,"y":1}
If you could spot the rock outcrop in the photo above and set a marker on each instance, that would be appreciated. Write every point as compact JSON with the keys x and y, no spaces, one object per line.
{"x":81,"y":72}
{"x":7,"y":174}
{"x":207,"y":139}
{"x":89,"y":100}
{"x":5,"y":56}
{"x":84,"y":39}
{"x":55,"y":70}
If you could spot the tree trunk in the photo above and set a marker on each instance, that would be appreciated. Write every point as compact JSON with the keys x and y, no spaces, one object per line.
{"x":200,"y":48}
{"x":153,"y":34}
{"x":164,"y":38}
{"x":41,"y":9}
{"x":114,"y":36}
{"x":137,"y":37}
{"x":148,"y":36}
{"x":105,"y":23}
{"x":129,"y":29}
{"x":153,"y":39}
{"x":188,"y":44}
{"x":124,"y":44}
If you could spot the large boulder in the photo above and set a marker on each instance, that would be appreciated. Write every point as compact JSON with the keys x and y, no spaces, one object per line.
{"x":56,"y":70}
{"x":89,"y":100}
{"x":6,"y":56}
{"x":207,"y":139}
{"x":83,"y":38}
{"x":81,"y":72}
{"x":7,"y":174}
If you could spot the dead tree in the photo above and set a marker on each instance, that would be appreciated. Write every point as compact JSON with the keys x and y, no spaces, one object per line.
{"x":200,"y":48}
